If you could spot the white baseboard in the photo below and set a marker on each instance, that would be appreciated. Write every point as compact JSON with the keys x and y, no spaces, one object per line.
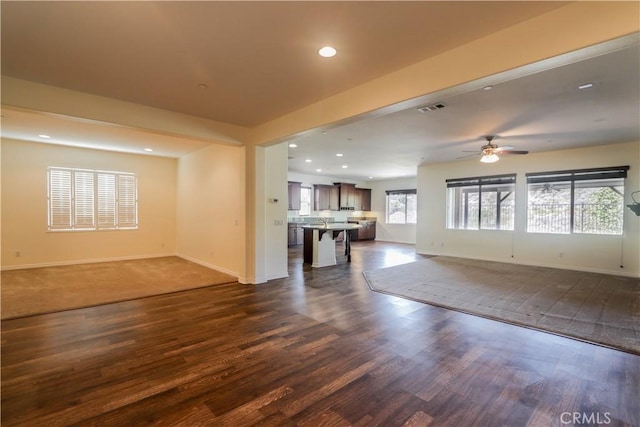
{"x":209,"y":265}
{"x":81,"y":261}
{"x":395,"y":241}
{"x":278,"y":276}
{"x":532,"y":264}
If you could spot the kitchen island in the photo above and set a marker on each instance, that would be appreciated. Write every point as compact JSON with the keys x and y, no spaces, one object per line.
{"x":319,"y":242}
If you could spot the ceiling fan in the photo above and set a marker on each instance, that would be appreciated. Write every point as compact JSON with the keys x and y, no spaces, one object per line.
{"x":490,"y":151}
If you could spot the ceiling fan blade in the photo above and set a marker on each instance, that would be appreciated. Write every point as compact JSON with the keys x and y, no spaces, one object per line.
{"x":503,"y":148}
{"x":514,"y":152}
{"x":468,"y":155}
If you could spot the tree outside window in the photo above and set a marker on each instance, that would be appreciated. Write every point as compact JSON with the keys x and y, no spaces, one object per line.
{"x":402,"y":207}
{"x":586,"y":201}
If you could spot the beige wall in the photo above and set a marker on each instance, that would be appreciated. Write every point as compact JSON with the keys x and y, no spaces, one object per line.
{"x":211,"y":208}
{"x":399,"y":233}
{"x":275,"y":218}
{"x":575,"y":251}
{"x":24,"y":207}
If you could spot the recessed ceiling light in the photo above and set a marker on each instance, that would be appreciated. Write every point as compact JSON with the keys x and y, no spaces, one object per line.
{"x":344,"y":166}
{"x":318,"y":170}
{"x":339,"y":154}
{"x":44,"y":136}
{"x":487,"y":87}
{"x":585,"y":86}
{"x":327,"y":52}
{"x":324,"y":132}
{"x":293,"y":145}
{"x":307,"y":160}
{"x":370,"y":177}
{"x":203,"y":86}
{"x":148,"y":149}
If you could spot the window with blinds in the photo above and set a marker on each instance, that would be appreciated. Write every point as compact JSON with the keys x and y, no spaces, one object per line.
{"x":481,"y":203}
{"x":82,"y":199}
{"x":583,"y":201}
{"x":402,"y":206}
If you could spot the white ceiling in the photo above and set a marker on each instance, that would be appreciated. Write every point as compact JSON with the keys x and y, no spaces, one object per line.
{"x":258,"y":60}
{"x":538,"y":112}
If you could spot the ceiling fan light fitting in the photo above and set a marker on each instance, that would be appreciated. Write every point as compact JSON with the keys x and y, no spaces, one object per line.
{"x":489,"y":158}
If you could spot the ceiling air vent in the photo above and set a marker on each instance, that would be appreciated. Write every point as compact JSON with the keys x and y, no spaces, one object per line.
{"x":432,"y":107}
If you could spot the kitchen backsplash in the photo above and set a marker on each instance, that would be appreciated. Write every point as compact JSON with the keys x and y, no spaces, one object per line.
{"x":333,"y":217}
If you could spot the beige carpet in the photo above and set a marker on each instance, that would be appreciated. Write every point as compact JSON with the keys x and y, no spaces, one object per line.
{"x":49,"y":289}
{"x":597,"y":308}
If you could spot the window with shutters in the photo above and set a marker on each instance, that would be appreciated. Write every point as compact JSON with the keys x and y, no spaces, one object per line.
{"x":82,"y":199}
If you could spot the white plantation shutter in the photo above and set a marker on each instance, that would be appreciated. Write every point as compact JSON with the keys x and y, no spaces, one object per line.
{"x":59,"y":199}
{"x":82,"y":199}
{"x":106,"y":200}
{"x":127,"y":202}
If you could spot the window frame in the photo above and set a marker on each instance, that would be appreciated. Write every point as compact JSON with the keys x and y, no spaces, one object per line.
{"x":479,"y":181}
{"x":573,"y":176}
{"x":406,"y":193}
{"x":310,"y":189}
{"x":81,"y":199}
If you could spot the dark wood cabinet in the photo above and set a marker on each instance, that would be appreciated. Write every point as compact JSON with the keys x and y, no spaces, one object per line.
{"x":368,"y":230}
{"x":363,"y":199}
{"x":347,"y":196}
{"x":294,"y":195}
{"x":341,"y":196}
{"x":326,"y":197}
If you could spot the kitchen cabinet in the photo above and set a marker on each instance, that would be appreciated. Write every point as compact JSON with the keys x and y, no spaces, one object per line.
{"x":341,"y":196}
{"x":295,"y":235}
{"x":352,"y":198}
{"x":363,"y":199}
{"x":367,"y":230}
{"x":294,"y":195}
{"x":347,"y":196}
{"x":326,"y":197}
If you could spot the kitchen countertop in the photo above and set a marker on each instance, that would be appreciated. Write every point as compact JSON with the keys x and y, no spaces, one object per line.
{"x":333,"y":226}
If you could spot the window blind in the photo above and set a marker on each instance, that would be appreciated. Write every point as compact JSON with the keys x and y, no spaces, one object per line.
{"x":81,"y":199}
{"x":578,"y":175}
{"x":59,"y":199}
{"x":127,"y":202}
{"x":414,"y":191}
{"x":481,"y":180}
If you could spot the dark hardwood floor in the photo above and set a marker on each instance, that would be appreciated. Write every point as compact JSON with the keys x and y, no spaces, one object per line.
{"x":317,"y":348}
